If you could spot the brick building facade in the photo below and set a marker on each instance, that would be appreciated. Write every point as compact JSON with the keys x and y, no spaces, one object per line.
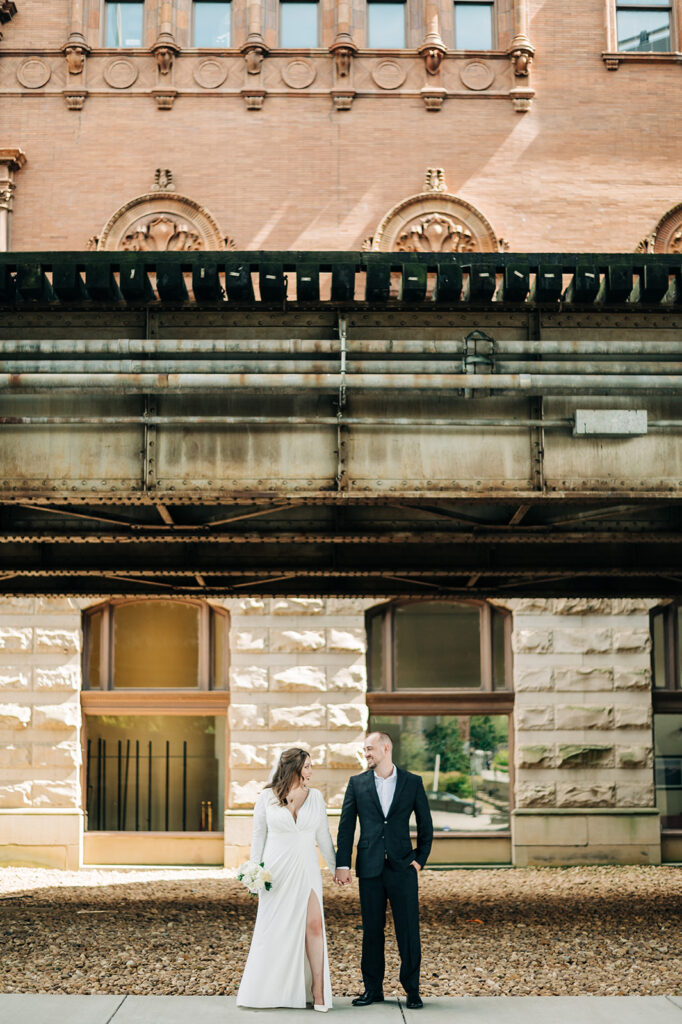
{"x":553,"y":135}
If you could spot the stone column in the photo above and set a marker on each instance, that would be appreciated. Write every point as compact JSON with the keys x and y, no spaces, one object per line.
{"x":76,"y":50}
{"x":255,"y":51}
{"x":432,"y":51}
{"x":583,"y":733}
{"x":521,"y":53}
{"x":343,"y":50}
{"x":41,"y":820}
{"x":11,"y":160}
{"x":165,"y":51}
{"x":297,"y":678}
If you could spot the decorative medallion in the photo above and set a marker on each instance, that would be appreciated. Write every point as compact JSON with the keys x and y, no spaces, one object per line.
{"x":120,"y":73}
{"x":477,"y":75}
{"x":210,"y":73}
{"x":435,"y":221}
{"x":162,"y":221}
{"x":667,"y":235}
{"x":34,"y":73}
{"x":388,"y":74}
{"x":299,"y":74}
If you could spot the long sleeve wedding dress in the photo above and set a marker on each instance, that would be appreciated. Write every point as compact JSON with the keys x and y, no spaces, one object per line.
{"x":277,"y":971}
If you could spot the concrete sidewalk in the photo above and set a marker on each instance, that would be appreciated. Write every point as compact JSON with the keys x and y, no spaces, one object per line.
{"x":102,"y":1009}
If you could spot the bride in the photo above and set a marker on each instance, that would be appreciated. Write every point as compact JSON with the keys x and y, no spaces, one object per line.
{"x":287,"y":963}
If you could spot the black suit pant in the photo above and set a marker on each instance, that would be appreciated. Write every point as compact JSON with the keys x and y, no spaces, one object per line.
{"x":398,"y":886}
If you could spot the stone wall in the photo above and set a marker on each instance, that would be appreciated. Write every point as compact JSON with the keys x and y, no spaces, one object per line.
{"x":297,"y":677}
{"x":40,"y":717}
{"x":583,"y":729}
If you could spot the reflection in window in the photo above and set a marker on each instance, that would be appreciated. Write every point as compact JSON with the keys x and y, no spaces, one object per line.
{"x":473,"y":26}
{"x":124,"y":22}
{"x":434,"y":645}
{"x":298,"y":24}
{"x":464,"y":762}
{"x":386,"y":25}
{"x":643,"y":26}
{"x":155,"y":773}
{"x":211,"y":23}
{"x":156,"y":644}
{"x":668,"y":769}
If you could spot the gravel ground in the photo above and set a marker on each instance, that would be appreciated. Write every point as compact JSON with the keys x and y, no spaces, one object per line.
{"x":574,"y":931}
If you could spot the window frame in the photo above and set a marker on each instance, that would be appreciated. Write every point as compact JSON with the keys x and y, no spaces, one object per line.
{"x":662,"y":5}
{"x":280,"y":44}
{"x":106,"y":4}
{"x":669,"y":696}
{"x":494,"y":31}
{"x":209,"y":617}
{"x":462,"y":713}
{"x":194,"y":45}
{"x":377,"y":3}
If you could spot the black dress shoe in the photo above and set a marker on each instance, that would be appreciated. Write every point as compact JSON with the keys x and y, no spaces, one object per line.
{"x":368,"y":997}
{"x":414,"y":1001}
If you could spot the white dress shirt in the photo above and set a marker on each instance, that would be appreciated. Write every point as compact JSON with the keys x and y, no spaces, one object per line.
{"x":385,"y":792}
{"x":386,"y":789}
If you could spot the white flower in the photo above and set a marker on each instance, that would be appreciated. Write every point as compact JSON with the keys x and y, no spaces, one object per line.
{"x":254,"y":877}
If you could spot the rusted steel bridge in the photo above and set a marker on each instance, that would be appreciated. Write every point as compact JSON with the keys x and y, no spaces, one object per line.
{"x":340,"y":423}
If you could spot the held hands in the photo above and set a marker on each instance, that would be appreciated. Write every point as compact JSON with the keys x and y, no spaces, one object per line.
{"x":342,"y":876}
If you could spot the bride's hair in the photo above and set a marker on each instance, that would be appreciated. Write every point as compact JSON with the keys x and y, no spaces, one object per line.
{"x":288,"y":772}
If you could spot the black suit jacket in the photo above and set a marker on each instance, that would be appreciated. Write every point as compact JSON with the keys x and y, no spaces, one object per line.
{"x":384,"y":837}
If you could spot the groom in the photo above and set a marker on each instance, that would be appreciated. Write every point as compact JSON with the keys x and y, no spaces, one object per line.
{"x":387,"y":866}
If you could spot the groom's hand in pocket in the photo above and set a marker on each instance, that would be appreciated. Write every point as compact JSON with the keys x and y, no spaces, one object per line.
{"x":343,"y":876}
{"x":416,"y":865}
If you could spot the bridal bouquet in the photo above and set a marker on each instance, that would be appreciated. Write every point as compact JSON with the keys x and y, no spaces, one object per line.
{"x":254,"y":877}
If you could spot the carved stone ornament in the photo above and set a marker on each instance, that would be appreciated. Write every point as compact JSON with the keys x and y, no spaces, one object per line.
{"x":255,"y":50}
{"x":164,"y":59}
{"x":75,"y":59}
{"x":162,"y":221}
{"x":434,"y":221}
{"x":165,"y":50}
{"x":343,"y":57}
{"x":521,"y":62}
{"x":163,"y":180}
{"x":433,"y":58}
{"x":667,"y":235}
{"x":161,"y":233}
{"x":34,"y":73}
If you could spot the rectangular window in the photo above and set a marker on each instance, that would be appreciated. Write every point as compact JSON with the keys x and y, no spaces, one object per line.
{"x":643,"y":25}
{"x":473,"y":26}
{"x":386,"y":25}
{"x":435,"y":648}
{"x":298,"y":25}
{"x":124,"y":24}
{"x":464,"y":763}
{"x":155,"y":773}
{"x":211,"y":24}
{"x":668,"y":769}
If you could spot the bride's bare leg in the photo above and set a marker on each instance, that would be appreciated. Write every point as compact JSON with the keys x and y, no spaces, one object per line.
{"x":314,"y":947}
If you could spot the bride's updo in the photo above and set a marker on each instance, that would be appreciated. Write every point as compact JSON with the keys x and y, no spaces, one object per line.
{"x":288,"y":773}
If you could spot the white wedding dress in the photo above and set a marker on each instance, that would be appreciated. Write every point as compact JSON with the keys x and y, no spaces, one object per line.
{"x":277,"y":971}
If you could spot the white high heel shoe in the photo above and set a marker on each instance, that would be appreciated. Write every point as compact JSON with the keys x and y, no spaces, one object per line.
{"x":320,"y":1009}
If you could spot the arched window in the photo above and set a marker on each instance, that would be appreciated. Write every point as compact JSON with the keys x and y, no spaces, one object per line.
{"x":438,"y":645}
{"x":155,"y":644}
